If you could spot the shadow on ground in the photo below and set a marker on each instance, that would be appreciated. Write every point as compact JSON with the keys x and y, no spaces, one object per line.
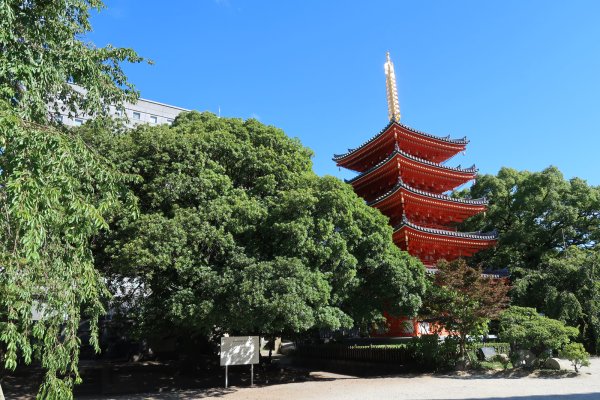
{"x":374,"y":370}
{"x":144,"y":380}
{"x":511,"y":374}
{"x":155,"y":380}
{"x":174,"y":395}
{"x":578,"y":396}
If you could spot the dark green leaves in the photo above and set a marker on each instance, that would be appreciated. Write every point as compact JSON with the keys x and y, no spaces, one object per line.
{"x":549,"y":229}
{"x":238,"y":234}
{"x":524,"y":328}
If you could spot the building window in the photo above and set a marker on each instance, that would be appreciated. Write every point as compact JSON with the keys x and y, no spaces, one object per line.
{"x":119,"y":113}
{"x":58,"y":118}
{"x":154,"y":119}
{"x":169,"y":120}
{"x":78,"y":122}
{"x":137,"y":115}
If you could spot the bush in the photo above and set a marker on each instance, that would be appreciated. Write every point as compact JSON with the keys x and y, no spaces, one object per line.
{"x":575,"y":352}
{"x":504,"y":360}
{"x":524,"y":328}
{"x":429,"y":353}
{"x":425,"y":353}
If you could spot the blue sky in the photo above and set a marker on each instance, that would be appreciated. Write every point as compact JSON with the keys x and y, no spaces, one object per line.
{"x":520,"y":79}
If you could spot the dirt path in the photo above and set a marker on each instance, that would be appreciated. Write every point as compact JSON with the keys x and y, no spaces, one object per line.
{"x":585,"y":386}
{"x":491,"y":386}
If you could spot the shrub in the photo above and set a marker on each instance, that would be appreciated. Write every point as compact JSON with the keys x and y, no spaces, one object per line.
{"x":524,"y":328}
{"x":575,"y":352}
{"x":429,"y":353}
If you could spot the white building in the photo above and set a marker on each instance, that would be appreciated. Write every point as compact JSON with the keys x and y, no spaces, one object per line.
{"x":142,"y":112}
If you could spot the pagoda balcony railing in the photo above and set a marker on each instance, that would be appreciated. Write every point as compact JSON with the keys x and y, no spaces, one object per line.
{"x":401,"y":184}
{"x":397,"y":151}
{"x":467,"y":235}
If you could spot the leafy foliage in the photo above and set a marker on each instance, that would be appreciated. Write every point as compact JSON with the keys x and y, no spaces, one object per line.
{"x":429,"y":353}
{"x":41,"y":53}
{"x":575,"y":352}
{"x":549,"y":229}
{"x":568,"y":286}
{"x":463,"y":300}
{"x":524,"y":328}
{"x":536,"y":214}
{"x":238,"y":234}
{"x":55,"y":193}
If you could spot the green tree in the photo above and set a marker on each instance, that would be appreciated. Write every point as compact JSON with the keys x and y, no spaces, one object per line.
{"x":41,"y":53}
{"x":575,"y":352}
{"x":548,"y":230}
{"x":55,"y":196}
{"x":55,"y":193}
{"x":536,"y":213}
{"x":237,"y":233}
{"x":568,"y":286}
{"x":463,"y":300}
{"x":524,"y":328}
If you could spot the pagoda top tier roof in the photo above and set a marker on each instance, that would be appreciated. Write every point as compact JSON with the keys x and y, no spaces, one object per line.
{"x":471,"y":170}
{"x":463,"y":141}
{"x":401,"y":184}
{"x":462,"y":235}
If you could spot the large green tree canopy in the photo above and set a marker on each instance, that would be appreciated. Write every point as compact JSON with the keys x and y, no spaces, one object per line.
{"x":237,"y":233}
{"x":549,"y":229}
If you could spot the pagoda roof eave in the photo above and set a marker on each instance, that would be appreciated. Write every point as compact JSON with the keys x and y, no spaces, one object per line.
{"x":440,"y":232}
{"x":447,"y":139}
{"x":397,"y":151}
{"x":402,"y":185}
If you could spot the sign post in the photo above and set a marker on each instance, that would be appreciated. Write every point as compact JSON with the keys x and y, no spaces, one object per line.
{"x":240,"y":350}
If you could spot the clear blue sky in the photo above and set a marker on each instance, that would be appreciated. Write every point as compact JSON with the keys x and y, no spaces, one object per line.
{"x":520,"y":79}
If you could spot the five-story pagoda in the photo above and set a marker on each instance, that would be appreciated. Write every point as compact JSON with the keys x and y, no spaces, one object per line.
{"x":401,"y":174}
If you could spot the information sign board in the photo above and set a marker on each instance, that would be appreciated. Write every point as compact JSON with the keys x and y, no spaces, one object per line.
{"x":240,"y":350}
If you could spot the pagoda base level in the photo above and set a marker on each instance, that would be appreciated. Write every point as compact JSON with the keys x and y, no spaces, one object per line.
{"x":403,"y":326}
{"x":432,"y":245}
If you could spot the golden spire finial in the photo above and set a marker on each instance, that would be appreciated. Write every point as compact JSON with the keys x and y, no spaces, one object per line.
{"x":392,"y":91}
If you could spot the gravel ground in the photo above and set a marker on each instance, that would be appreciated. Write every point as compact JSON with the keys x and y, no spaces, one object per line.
{"x":488,"y":386}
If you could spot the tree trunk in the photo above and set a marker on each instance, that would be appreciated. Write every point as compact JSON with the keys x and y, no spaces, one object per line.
{"x":271,"y":347}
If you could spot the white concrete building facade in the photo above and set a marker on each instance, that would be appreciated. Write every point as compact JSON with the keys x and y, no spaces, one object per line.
{"x":143,"y":112}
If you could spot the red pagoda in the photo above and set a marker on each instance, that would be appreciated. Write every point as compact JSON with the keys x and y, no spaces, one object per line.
{"x":401,"y":174}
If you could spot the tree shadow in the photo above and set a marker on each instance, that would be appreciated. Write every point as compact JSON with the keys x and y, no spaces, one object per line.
{"x":148,"y":381}
{"x":172,"y":395}
{"x":152,"y":380}
{"x":510,"y":374}
{"x":20,"y":385}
